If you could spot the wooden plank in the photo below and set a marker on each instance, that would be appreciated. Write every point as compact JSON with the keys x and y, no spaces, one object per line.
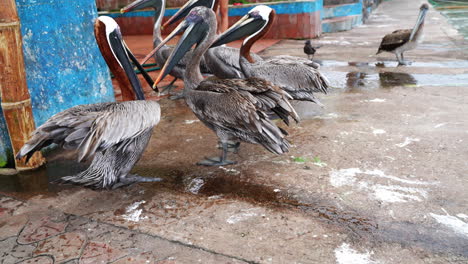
{"x":14,"y":94}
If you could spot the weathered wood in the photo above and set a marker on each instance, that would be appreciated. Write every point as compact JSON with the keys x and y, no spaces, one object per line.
{"x":14,"y":94}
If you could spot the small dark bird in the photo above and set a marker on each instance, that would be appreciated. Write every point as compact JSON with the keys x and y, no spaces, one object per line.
{"x":309,"y":50}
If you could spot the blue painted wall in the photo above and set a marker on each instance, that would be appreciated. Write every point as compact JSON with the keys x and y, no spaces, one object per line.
{"x":64,"y":67}
{"x":342,"y":10}
{"x":280,"y":8}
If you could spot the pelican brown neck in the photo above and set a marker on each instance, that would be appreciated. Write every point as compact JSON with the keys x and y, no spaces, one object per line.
{"x":248,"y":42}
{"x":114,"y":52}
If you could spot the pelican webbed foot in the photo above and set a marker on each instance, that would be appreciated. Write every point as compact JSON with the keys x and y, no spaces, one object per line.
{"x":168,"y":88}
{"x":133,"y":178}
{"x":218,"y":161}
{"x":404,"y":63}
{"x":215,"y":161}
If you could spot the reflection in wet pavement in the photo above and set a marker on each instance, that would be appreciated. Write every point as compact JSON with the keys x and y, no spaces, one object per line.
{"x":390,"y":79}
{"x":369,"y":81}
{"x":393,"y":64}
{"x":232,"y":187}
{"x":30,"y":183}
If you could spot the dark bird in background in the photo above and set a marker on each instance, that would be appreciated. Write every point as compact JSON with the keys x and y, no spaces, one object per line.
{"x":309,"y":49}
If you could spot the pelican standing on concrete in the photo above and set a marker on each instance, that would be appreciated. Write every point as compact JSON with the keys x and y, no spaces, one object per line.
{"x":402,"y":40}
{"x":235,"y":109}
{"x":163,"y":53}
{"x":116,"y":134}
{"x":299,"y":79}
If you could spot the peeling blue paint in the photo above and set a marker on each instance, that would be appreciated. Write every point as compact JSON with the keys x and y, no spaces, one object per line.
{"x":63,"y":64}
{"x":342,"y":10}
{"x":342,"y":25}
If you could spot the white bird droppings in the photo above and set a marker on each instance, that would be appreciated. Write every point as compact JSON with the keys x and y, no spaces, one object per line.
{"x":188,"y":122}
{"x":132,"y":213}
{"x":364,"y":180}
{"x":242,"y":216}
{"x":343,"y":177}
{"x":407,"y":141}
{"x":464,"y":216}
{"x":440,"y":125}
{"x":344,"y":254}
{"x":376,"y":100}
{"x":195,"y":185}
{"x":378,"y":132}
{"x":230,"y":170}
{"x":453,"y":222}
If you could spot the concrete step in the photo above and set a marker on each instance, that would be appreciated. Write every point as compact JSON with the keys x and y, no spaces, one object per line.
{"x":337,"y":24}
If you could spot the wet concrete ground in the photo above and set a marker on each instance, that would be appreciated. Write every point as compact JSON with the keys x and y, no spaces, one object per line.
{"x":376,"y":176}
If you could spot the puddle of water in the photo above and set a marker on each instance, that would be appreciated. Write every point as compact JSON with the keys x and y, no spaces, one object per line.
{"x":454,"y":64}
{"x":456,"y":12}
{"x":30,"y":183}
{"x":354,"y":81}
{"x":419,"y":235}
{"x":307,"y":110}
{"x":391,"y":79}
{"x":227,"y":186}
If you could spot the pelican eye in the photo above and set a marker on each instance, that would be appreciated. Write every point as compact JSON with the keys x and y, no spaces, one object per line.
{"x":193,"y":17}
{"x":255,"y":15}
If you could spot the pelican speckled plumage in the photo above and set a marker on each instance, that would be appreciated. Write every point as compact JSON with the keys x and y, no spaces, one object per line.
{"x":300,"y":79}
{"x":235,"y":109}
{"x":402,"y":40}
{"x":114,"y":134}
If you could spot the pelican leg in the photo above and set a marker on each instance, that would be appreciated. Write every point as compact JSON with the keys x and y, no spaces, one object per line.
{"x":401,"y":59}
{"x":133,"y":178}
{"x":218,"y":161}
{"x":177,"y":96}
{"x":169,"y":87}
{"x":233,"y":146}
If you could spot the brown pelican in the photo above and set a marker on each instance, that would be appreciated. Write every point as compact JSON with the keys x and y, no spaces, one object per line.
{"x":299,"y":79}
{"x":402,"y":40}
{"x":116,"y":134}
{"x":232,"y":108}
{"x":223,"y":62}
{"x":163,"y":53}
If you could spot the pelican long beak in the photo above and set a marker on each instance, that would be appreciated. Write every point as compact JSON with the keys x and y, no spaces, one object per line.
{"x":176,"y":31}
{"x":242,"y":28}
{"x":422,"y":15}
{"x":185,"y":9}
{"x":137,"y":5}
{"x":112,"y":36}
{"x":194,"y":33}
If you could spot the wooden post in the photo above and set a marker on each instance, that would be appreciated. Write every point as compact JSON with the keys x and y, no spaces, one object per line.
{"x":14,"y":94}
